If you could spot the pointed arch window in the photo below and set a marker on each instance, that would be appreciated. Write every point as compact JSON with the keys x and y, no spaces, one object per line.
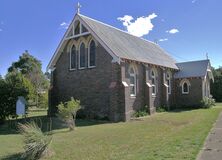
{"x":185,"y":88}
{"x":77,"y":29}
{"x":132,"y":82}
{"x":168,"y":80}
{"x":82,"y":56}
{"x":153,"y":79}
{"x":84,"y":29}
{"x":92,"y":54}
{"x":73,"y":58}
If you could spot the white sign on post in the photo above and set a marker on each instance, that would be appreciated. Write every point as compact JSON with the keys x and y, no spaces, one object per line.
{"x":20,"y":106}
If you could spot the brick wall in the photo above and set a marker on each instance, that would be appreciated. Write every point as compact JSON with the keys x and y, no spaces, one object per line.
{"x":193,"y":98}
{"x":90,"y":85}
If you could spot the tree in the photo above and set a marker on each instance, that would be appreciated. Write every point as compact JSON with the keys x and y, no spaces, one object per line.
{"x":14,"y":85}
{"x":4,"y":91}
{"x":67,"y":112}
{"x":31,"y":67}
{"x":216,"y":87}
{"x":26,"y":64}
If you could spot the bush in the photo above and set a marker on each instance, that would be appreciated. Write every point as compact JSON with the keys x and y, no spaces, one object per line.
{"x":142,"y":112}
{"x":207,"y":102}
{"x":43,"y":100}
{"x":67,"y":112}
{"x":161,"y":109}
{"x":36,"y":142}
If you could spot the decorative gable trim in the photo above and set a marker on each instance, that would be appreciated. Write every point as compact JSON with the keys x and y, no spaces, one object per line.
{"x":65,"y":39}
{"x":209,"y":72}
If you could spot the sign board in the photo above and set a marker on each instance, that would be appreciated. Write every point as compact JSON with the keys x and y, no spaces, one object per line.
{"x":20,"y":106}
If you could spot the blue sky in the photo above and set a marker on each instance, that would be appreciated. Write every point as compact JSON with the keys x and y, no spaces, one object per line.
{"x":36,"y":26}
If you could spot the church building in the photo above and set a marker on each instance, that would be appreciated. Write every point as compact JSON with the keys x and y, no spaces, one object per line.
{"x":114,"y":74}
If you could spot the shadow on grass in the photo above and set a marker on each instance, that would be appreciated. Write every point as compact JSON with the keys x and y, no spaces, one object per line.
{"x":45,"y":123}
{"x":184,"y":108}
{"x":16,"y":156}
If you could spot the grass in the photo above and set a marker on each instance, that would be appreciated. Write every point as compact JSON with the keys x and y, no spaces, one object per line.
{"x":169,"y":135}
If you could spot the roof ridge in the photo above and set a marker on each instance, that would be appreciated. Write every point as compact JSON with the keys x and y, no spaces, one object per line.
{"x":194,"y":61}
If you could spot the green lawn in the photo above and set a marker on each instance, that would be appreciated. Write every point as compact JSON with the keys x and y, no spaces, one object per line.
{"x":172,"y":135}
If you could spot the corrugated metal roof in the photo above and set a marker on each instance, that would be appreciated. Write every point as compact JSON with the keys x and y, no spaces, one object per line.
{"x":127,"y":46}
{"x":192,"y":69}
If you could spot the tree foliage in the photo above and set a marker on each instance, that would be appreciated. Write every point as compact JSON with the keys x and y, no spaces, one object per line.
{"x":43,"y":100}
{"x":24,"y":78}
{"x":31,"y":67}
{"x":216,"y":87}
{"x":4,"y":111}
{"x":14,"y":85}
{"x":67,"y":111}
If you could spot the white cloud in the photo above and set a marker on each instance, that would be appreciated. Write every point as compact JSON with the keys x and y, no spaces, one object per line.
{"x":64,"y":25}
{"x":194,"y":1}
{"x":140,"y":27}
{"x":164,"y":39}
{"x":173,"y":31}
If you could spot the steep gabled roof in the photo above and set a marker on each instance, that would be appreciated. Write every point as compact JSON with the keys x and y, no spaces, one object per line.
{"x":127,"y":46}
{"x":124,"y":45}
{"x":193,"y":69}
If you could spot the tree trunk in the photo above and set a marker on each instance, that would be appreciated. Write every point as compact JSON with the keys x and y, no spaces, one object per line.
{"x":71,"y":124}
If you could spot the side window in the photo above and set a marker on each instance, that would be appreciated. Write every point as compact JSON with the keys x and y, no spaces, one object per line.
{"x":132,"y":82}
{"x":73,"y":58}
{"x":185,"y":88}
{"x":168,"y":80}
{"x":153,"y":79}
{"x":92,"y":54}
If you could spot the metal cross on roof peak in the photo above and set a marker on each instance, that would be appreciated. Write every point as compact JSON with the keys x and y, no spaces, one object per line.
{"x":78,"y":7}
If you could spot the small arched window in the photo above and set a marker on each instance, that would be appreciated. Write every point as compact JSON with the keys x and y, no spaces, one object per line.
{"x":168,"y":80}
{"x":153,"y":79}
{"x":132,"y":82}
{"x":185,"y":88}
{"x":82,"y":56}
{"x":77,"y":28}
{"x":73,"y":58}
{"x":92,"y":54}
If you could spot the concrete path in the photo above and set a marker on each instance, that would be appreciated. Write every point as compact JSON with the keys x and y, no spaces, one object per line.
{"x":212,"y":149}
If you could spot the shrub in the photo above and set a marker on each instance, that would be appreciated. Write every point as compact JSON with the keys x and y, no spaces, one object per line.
{"x":36,"y":142}
{"x":67,"y":112}
{"x":161,"y":109}
{"x":207,"y":102}
{"x":43,"y":100}
{"x":142,"y":112}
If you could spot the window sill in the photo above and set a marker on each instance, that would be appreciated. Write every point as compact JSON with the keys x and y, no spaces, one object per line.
{"x":92,"y":67}
{"x":185,"y":93}
{"x":72,"y":69}
{"x":132,"y":96}
{"x":82,"y":68}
